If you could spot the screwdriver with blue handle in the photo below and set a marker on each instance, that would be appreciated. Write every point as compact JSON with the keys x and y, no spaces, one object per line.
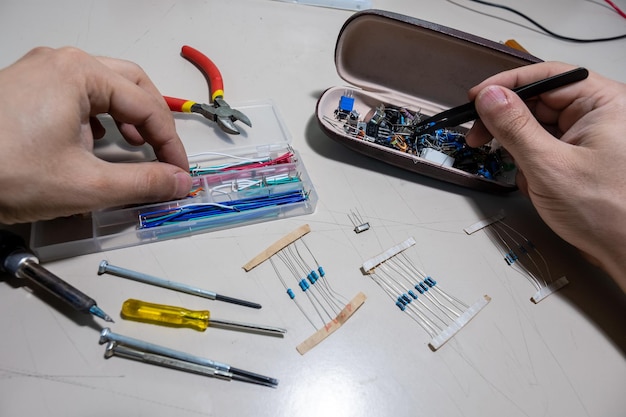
{"x":18,"y":261}
{"x":181,"y":317}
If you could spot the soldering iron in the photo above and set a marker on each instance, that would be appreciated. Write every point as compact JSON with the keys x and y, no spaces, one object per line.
{"x":17,"y":260}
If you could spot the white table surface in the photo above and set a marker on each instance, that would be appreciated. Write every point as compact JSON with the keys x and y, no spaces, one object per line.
{"x":562,"y":357}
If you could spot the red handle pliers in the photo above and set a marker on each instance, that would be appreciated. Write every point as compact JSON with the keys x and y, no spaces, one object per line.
{"x":219,"y":111}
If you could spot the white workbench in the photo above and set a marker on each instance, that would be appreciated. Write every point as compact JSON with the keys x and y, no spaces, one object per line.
{"x":562,"y":357}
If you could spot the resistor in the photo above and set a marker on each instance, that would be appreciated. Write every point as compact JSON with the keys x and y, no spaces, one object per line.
{"x":304,"y":284}
{"x":430,"y":282}
{"x":510,"y":257}
{"x":400,"y":305}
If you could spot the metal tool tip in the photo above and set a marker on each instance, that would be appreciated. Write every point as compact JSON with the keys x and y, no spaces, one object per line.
{"x":237,"y":301}
{"x":97,"y":311}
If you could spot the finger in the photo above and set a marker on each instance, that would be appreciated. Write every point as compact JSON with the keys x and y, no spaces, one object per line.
{"x":115,"y":184}
{"x":123,"y":97}
{"x":131,"y":134}
{"x":134,"y":73}
{"x":508,"y":119}
{"x":522,"y":76}
{"x":478,"y":135}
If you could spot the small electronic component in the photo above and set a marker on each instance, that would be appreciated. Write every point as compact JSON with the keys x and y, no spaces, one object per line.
{"x":357,"y":221}
{"x":396,"y":127}
{"x":520,"y":254}
{"x":440,"y":314}
{"x":325,"y":309}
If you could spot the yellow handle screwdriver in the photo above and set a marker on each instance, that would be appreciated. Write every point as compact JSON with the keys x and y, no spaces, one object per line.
{"x":181,"y":317}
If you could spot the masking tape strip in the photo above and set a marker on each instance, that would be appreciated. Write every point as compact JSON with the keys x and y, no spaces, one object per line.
{"x":389,"y":253}
{"x":333,"y":325}
{"x":484,"y":223}
{"x":552,"y":288}
{"x":276,"y":247}
{"x":459,"y":323}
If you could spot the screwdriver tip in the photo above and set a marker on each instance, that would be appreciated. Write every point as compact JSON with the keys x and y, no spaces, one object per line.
{"x":237,"y":301}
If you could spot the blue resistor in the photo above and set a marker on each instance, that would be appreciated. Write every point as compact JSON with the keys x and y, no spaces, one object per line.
{"x":400,"y":305}
{"x":291,"y":294}
{"x":321,"y":270}
{"x":483,"y":172}
{"x":431,"y":281}
{"x":510,"y":257}
{"x":311,"y":277}
{"x":315,"y":275}
{"x":412,"y":294}
{"x":304,"y":285}
{"x":530,"y":244}
{"x":401,"y":300}
{"x":424,"y":287}
{"x":522,"y":249}
{"x":419,"y":288}
{"x":407,"y":298}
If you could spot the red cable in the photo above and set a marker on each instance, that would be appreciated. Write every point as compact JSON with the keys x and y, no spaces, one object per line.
{"x":617,"y":9}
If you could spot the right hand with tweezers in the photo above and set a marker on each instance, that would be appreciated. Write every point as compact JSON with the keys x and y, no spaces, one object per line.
{"x":570,"y":147}
{"x":467,"y":112}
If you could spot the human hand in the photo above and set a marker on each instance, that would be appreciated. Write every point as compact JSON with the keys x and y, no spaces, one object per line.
{"x":48,"y":101}
{"x":570,"y":148}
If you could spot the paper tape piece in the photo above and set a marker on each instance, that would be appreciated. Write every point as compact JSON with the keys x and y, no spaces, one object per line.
{"x":484,"y":223}
{"x":276,"y":247}
{"x":459,"y":323}
{"x":333,"y":325}
{"x":551,"y":288}
{"x":389,"y":253}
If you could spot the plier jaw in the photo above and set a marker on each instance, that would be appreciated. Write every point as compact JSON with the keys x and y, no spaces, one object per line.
{"x":222,"y":114}
{"x":218,"y":111}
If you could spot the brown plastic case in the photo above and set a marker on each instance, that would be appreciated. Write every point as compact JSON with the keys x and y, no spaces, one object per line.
{"x":402,"y":61}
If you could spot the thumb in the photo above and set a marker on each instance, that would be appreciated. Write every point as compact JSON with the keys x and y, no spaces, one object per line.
{"x":509,"y":120}
{"x":142,"y":182}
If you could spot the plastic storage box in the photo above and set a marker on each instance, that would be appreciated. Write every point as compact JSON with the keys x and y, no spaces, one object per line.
{"x":232,"y":185}
{"x":413,"y":68}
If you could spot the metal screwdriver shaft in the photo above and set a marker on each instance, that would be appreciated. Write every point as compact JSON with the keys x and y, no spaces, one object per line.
{"x":114,"y":349}
{"x":18,"y":261}
{"x":106,"y":268}
{"x":107,"y":336}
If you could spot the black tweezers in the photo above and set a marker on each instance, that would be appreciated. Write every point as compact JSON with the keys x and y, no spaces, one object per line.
{"x":466,"y":112}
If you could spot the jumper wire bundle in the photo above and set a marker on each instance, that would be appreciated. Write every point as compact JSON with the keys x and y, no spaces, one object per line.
{"x":521,"y":255}
{"x":237,"y":190}
{"x":440,"y":314}
{"x":293,"y":262}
